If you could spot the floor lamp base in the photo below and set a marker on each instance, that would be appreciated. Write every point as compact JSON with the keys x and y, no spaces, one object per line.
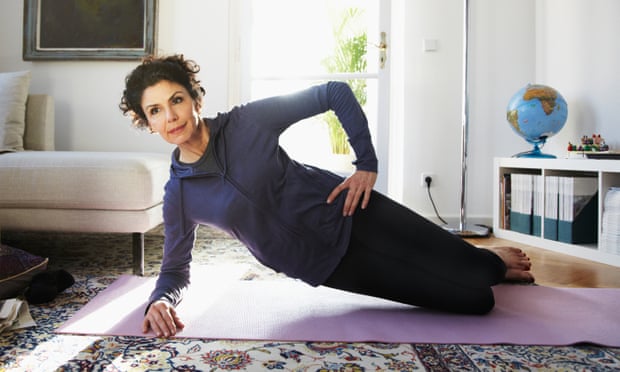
{"x":469,"y":231}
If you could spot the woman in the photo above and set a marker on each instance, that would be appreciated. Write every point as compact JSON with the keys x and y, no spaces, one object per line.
{"x":230,"y":172}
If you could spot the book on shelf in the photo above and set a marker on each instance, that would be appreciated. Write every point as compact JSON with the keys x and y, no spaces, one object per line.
{"x":504,"y":208}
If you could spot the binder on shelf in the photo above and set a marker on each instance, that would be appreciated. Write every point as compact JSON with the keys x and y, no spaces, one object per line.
{"x":537,"y":205}
{"x":604,"y":224}
{"x":610,"y":229}
{"x":578,"y":210}
{"x":551,"y":207}
{"x":521,"y":213}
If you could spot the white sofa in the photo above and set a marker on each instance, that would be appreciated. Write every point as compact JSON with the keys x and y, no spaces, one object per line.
{"x":77,"y":191}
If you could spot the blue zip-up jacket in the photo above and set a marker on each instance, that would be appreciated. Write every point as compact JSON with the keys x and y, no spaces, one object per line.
{"x":246,"y":185}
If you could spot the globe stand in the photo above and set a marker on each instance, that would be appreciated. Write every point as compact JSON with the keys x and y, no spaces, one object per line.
{"x":535,"y":152}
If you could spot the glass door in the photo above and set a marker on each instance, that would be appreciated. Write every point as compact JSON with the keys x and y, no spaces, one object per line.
{"x":288,"y":45}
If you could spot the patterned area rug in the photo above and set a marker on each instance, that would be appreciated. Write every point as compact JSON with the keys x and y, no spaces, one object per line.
{"x":96,"y":260}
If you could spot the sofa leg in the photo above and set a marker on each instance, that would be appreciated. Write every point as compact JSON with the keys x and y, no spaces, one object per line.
{"x":138,"y":253}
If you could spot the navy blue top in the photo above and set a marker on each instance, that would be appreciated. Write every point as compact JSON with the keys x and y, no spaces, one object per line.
{"x":246,"y":185}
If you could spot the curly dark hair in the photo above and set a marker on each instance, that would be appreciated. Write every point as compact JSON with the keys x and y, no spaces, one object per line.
{"x":174,"y":68}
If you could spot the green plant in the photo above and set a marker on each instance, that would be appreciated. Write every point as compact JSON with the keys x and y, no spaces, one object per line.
{"x":349,"y":56}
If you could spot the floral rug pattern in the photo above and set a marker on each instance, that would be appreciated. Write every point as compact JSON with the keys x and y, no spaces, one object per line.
{"x":96,"y":260}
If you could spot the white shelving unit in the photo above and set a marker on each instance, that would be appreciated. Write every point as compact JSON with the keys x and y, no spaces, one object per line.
{"x":608,"y":173}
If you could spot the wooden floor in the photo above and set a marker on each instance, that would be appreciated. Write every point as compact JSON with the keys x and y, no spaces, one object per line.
{"x":559,"y":270}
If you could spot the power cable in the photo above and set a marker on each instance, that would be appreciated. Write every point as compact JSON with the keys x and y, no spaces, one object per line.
{"x":428,"y":181}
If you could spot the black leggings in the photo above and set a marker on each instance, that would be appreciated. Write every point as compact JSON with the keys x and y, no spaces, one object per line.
{"x":399,"y":255}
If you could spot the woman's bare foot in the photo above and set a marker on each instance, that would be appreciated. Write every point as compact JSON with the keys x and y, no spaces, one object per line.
{"x":517,"y":262}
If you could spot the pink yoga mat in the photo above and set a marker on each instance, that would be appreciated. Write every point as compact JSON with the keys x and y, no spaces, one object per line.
{"x":288,"y":310}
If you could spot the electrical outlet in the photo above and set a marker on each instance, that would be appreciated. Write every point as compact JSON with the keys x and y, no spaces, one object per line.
{"x":423,"y":176}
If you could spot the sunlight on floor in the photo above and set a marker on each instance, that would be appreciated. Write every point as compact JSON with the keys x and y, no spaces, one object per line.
{"x":103,"y":314}
{"x":52,"y":354}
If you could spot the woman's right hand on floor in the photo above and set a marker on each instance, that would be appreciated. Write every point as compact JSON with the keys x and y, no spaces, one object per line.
{"x":162,"y":318}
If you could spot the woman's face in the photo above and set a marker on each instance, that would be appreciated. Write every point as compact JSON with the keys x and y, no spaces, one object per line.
{"x":171,"y":111}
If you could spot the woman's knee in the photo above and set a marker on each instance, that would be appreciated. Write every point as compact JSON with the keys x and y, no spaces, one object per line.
{"x":463,"y":300}
{"x":481,"y":303}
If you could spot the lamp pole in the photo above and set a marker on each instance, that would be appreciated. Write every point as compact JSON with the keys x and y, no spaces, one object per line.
{"x":464,"y":229}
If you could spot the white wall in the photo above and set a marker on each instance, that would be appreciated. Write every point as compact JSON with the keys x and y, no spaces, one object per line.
{"x":579,"y":55}
{"x":568,"y":44}
{"x":432,"y":104}
{"x":501,"y":60}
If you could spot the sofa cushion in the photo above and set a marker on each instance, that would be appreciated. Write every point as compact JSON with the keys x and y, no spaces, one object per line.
{"x":13,"y":95}
{"x":82,"y":180}
{"x":17,"y":267}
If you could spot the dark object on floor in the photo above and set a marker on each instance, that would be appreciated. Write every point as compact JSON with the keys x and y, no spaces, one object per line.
{"x":17,"y":268}
{"x":47,"y":285}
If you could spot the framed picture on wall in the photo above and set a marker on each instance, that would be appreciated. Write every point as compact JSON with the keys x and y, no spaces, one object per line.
{"x":89,"y":30}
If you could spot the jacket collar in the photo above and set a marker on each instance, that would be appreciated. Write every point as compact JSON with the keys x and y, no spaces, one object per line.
{"x":208,"y":164}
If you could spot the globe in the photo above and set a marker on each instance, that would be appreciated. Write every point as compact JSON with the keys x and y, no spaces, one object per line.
{"x":536,"y":112}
